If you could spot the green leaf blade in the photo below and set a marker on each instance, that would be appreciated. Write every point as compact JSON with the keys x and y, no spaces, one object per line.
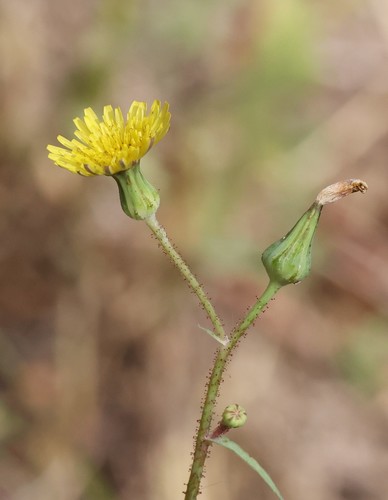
{"x":232,"y":446}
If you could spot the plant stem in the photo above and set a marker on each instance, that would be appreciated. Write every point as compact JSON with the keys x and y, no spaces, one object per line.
{"x":161,"y":236}
{"x":201,"y":444}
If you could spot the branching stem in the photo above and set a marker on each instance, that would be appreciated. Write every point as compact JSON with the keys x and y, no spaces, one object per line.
{"x":202,"y":445}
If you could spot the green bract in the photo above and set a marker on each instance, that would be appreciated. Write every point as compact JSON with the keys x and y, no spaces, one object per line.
{"x":289,"y":259}
{"x":139,"y":199}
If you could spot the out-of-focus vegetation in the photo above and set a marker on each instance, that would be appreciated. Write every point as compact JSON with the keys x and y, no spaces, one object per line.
{"x":102,"y":365}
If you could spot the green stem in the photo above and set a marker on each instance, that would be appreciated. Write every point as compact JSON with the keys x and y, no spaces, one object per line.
{"x":201,"y":444}
{"x":167,"y":246}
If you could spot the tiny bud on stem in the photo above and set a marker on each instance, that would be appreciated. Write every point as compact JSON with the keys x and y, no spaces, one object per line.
{"x":234,"y":416}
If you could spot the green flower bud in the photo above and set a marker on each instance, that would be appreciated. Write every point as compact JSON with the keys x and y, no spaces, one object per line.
{"x":234,"y":416}
{"x":139,"y":199}
{"x":289,"y":259}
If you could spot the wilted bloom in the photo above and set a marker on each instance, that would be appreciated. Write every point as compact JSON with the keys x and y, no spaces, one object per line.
{"x":288,"y":260}
{"x":111,"y":145}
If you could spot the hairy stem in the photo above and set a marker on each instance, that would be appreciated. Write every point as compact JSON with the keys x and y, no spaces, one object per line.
{"x":161,"y":235}
{"x":201,"y":444}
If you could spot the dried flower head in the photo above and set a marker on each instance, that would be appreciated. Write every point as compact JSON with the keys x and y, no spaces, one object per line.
{"x":340,"y":189}
{"x":111,"y":145}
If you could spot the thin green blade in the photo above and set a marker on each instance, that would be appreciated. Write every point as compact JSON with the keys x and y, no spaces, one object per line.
{"x":214,"y":336}
{"x":231,"y":445}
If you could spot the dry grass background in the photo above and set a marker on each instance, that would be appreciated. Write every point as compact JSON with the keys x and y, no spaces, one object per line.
{"x":102,"y":365}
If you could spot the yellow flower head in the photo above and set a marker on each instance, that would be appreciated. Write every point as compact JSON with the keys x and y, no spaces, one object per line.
{"x":111,"y":145}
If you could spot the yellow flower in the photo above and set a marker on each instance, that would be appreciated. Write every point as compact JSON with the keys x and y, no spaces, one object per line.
{"x":111,"y":145}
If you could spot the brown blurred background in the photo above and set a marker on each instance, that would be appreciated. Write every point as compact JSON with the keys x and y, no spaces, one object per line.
{"x":102,"y":365}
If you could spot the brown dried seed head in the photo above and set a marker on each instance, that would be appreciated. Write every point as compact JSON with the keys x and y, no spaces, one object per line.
{"x":340,"y":189}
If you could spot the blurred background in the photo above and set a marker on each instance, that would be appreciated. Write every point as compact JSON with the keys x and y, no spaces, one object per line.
{"x":102,"y":364}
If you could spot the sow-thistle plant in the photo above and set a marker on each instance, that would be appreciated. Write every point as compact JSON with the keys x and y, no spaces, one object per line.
{"x":113,"y":146}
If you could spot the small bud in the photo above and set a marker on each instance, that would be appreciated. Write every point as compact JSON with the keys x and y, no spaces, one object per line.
{"x":234,"y":416}
{"x":139,"y":199}
{"x":289,"y":259}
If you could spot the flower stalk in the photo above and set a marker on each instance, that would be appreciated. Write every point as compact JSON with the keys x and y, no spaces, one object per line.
{"x":161,"y":235}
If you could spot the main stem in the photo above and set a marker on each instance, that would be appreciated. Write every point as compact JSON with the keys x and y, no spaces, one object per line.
{"x":201,"y":444}
{"x":192,"y":281}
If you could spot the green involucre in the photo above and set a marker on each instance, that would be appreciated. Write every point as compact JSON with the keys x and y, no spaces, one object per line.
{"x":289,"y":259}
{"x":139,"y":199}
